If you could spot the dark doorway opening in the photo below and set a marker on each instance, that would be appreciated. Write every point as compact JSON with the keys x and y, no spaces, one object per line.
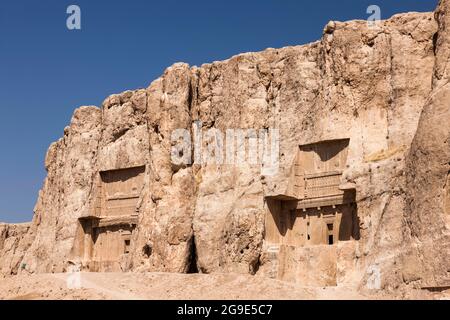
{"x":330,"y":239}
{"x":330,"y":228}
{"x":192,"y":267}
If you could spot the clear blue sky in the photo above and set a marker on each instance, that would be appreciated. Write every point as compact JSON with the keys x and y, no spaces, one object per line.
{"x":46,"y":71}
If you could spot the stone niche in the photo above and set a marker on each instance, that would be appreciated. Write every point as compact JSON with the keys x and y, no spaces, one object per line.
{"x":306,"y":229}
{"x":105,"y":237}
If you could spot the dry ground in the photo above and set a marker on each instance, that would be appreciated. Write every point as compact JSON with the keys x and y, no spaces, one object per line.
{"x":176,"y":286}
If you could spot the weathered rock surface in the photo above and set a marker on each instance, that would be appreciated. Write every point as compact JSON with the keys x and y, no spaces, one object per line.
{"x":12,"y":246}
{"x":385,"y":88}
{"x":428,"y":168}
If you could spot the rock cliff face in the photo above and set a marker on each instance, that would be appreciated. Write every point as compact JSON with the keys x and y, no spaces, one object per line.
{"x":382,"y":88}
{"x":11,"y":237}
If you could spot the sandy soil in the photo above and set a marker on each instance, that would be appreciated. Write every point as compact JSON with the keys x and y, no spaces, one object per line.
{"x":135,"y":286}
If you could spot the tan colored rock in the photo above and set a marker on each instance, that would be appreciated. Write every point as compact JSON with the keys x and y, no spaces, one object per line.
{"x":12,"y":246}
{"x":382,"y":89}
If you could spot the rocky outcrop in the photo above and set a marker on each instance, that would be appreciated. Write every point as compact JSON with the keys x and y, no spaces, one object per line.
{"x":12,"y":246}
{"x":428,"y":168}
{"x":383,"y":87}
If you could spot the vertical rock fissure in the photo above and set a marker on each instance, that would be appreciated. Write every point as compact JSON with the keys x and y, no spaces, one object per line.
{"x":192,"y":261}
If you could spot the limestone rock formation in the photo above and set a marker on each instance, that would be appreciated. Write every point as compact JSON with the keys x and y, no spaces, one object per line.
{"x":11,"y":246}
{"x":428,"y":167}
{"x":363,"y":118}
